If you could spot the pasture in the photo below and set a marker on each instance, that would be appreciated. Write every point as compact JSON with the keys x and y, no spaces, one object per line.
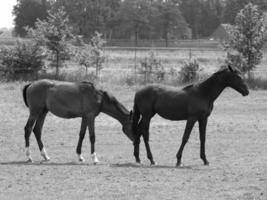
{"x":236,"y":144}
{"x":236,"y":148}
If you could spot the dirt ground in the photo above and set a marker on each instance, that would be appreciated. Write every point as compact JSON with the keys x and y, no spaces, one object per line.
{"x":236,"y":148}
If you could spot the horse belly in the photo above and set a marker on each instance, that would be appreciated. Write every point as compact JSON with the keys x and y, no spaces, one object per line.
{"x":171,"y":112}
{"x":65,"y":107}
{"x":65,"y":113}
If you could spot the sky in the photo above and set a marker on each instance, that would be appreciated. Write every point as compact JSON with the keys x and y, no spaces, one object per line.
{"x":6,"y":17}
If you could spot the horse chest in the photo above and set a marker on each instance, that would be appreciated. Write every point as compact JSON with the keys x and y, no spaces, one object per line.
{"x":200,"y":109}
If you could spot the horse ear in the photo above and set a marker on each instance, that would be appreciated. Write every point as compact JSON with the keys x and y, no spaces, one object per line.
{"x":230,"y":68}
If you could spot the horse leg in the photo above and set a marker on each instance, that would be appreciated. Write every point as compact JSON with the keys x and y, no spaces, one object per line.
{"x":28,"y":130}
{"x":91,"y":126}
{"x":137,"y":143}
{"x":202,"y":136}
{"x":145,"y":124}
{"x":188,"y":128}
{"x":81,"y":137}
{"x":37,"y":130}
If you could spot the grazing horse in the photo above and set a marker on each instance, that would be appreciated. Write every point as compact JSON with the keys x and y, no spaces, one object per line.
{"x":193,"y":103}
{"x":71,"y":100}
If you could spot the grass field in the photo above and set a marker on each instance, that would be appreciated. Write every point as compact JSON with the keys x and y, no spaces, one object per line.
{"x":236,"y":148}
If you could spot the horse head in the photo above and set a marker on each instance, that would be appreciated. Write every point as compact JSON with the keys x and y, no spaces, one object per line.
{"x":112,"y":107}
{"x":127,"y":126}
{"x":235,"y":81}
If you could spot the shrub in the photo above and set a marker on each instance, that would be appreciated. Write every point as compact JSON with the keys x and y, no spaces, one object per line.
{"x":97,"y":52}
{"x":22,"y":61}
{"x":257,"y":83}
{"x":152,"y":69}
{"x":189,"y":72}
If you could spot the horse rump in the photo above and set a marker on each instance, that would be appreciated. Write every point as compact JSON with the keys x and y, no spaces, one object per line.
{"x":24,"y":93}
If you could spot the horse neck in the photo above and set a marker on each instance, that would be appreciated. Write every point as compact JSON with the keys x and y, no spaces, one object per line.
{"x":115,"y":110}
{"x":213,"y":87}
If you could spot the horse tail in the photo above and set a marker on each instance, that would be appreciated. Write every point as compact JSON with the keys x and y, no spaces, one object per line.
{"x":136,"y":117}
{"x":24,"y":93}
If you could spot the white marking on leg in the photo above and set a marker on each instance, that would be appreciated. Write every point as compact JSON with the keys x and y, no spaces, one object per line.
{"x":44,"y":155}
{"x":94,"y":158}
{"x":80,"y":158}
{"x":28,"y":154}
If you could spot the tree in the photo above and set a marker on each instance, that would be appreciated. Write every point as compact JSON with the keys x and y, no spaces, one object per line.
{"x":27,"y":12}
{"x":97,"y":52}
{"x":88,"y":16}
{"x":191,"y":10}
{"x":248,"y":36}
{"x":232,"y":8}
{"x":170,"y":21}
{"x":54,"y":33}
{"x":23,"y":59}
{"x":133,"y":18}
{"x":209,"y":17}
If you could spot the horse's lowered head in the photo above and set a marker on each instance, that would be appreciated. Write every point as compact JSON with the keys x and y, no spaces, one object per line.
{"x":112,"y":107}
{"x":235,"y":81}
{"x":127,"y":126}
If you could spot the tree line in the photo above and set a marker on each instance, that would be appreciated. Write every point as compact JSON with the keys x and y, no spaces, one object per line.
{"x":136,"y":19}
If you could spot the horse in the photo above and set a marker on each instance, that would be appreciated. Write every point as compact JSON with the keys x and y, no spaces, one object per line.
{"x":192,"y":103}
{"x":70,"y":100}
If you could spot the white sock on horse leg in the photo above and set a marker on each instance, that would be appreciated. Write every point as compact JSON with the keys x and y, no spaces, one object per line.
{"x":94,"y":158}
{"x":44,"y":154}
{"x":28,"y":154}
{"x":80,"y":158}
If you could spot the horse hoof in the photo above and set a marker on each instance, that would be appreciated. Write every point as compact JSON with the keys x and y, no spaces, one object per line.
{"x":206,"y":163}
{"x":152,"y":164}
{"x":29,"y":160}
{"x":178,"y":165}
{"x":80,"y":158}
{"x":46,"y":159}
{"x":95,"y":159}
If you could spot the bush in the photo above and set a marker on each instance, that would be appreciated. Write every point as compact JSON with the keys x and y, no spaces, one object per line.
{"x":152,"y":69}
{"x":75,"y":76}
{"x":257,"y":83}
{"x":22,"y":61}
{"x":237,"y":61}
{"x":189,"y":72}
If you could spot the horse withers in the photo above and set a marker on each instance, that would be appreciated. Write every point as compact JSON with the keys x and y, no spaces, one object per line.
{"x":193,"y":103}
{"x":71,"y":100}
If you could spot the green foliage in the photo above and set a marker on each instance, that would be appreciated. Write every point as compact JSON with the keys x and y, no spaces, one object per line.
{"x":151,"y":69}
{"x":54,"y":34}
{"x":27,"y":12}
{"x":97,"y":53}
{"x":170,"y":22}
{"x":248,"y":37}
{"x":90,"y":15}
{"x":83,"y":56}
{"x":23,"y":60}
{"x":202,"y":16}
{"x":91,"y":55}
{"x":189,"y":72}
{"x":233,"y":7}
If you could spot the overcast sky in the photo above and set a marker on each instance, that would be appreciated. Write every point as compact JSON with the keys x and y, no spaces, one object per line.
{"x":6,"y":18}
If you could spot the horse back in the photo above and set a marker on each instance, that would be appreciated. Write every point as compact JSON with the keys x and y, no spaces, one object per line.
{"x":65,"y":99}
{"x":170,"y":103}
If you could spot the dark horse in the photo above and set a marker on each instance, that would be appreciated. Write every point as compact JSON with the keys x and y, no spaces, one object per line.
{"x":70,"y":100}
{"x":193,"y":103}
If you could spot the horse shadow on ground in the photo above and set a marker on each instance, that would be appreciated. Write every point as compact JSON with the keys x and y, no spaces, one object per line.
{"x":117,"y":165}
{"x":136,"y":165}
{"x":49,"y":163}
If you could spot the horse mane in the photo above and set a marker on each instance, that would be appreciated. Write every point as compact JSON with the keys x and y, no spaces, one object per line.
{"x":88,"y":83}
{"x":188,"y":87}
{"x":113,"y":100}
{"x":213,"y":76}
